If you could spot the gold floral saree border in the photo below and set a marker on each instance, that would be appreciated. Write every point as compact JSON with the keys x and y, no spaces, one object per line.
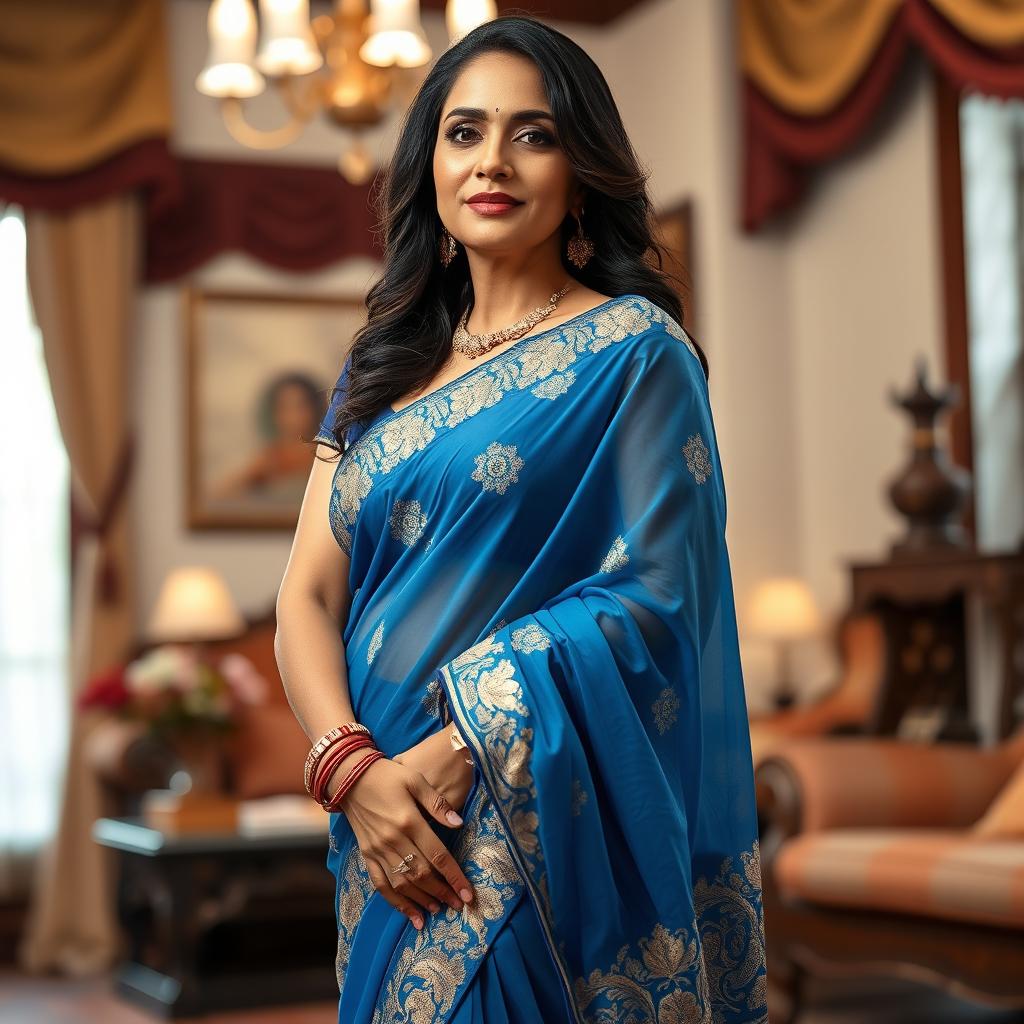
{"x":543,"y":364}
{"x":484,"y":698}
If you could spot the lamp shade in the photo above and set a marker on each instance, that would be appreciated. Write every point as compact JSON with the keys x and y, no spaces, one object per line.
{"x":231,"y":25}
{"x":395,"y":35}
{"x":783,"y":608}
{"x":194,"y":604}
{"x":287,"y":46}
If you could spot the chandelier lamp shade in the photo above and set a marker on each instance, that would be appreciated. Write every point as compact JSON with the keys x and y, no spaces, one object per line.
{"x":395,"y":35}
{"x":462,"y":16}
{"x":288,"y":46}
{"x":347,"y":65}
{"x":229,"y":70}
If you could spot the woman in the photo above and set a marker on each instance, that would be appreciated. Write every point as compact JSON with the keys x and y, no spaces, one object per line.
{"x":522,"y":545}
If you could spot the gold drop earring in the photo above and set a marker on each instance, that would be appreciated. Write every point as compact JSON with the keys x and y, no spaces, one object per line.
{"x":447,"y":247}
{"x":580,"y":247}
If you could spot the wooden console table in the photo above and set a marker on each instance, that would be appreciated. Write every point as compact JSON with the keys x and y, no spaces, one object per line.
{"x":223,"y":920}
{"x":922,"y":606}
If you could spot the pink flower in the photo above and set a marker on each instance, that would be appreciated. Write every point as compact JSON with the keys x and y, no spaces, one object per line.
{"x":243,"y":679}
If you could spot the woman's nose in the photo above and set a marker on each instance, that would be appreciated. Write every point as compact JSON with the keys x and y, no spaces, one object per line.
{"x":493,"y":161}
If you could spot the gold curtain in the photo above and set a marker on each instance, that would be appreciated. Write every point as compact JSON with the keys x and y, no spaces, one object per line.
{"x":83,"y":271}
{"x":84,"y":84}
{"x":807,"y":57}
{"x":80,"y":80}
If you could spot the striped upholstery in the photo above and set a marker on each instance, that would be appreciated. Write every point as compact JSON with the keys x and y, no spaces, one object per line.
{"x":943,"y":873}
{"x":856,"y":781}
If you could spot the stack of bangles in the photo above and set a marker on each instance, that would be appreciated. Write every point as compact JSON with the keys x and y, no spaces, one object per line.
{"x":328,"y":752}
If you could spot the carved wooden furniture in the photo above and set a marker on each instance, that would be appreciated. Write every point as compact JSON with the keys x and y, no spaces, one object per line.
{"x":223,"y":920}
{"x":922,"y":606}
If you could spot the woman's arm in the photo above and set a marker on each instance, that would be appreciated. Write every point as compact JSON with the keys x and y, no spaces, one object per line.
{"x":384,"y":805}
{"x":312,"y":607}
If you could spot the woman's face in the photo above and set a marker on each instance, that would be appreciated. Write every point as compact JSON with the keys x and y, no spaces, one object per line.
{"x":292,"y":411}
{"x":486,"y":144}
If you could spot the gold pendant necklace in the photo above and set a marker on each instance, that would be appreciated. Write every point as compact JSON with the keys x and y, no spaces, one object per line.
{"x":474,"y":345}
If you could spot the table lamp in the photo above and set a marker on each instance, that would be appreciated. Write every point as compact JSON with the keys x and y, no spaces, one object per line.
{"x":194,"y":604}
{"x":783,"y":610}
{"x":194,"y":608}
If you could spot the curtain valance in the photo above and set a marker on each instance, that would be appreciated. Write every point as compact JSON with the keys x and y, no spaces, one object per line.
{"x":816,"y":74}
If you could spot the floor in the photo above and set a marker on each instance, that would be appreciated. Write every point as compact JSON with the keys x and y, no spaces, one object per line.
{"x":60,"y":1001}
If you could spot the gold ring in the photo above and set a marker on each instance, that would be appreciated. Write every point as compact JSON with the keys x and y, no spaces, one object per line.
{"x":404,"y":864}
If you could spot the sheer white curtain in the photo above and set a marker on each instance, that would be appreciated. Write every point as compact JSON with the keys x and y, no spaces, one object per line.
{"x":992,"y":148}
{"x":34,"y":583}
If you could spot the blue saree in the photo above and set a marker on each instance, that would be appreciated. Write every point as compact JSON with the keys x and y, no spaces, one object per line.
{"x":538,"y":553}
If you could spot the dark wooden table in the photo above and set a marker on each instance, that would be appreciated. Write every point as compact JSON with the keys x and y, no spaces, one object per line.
{"x":225,"y":920}
{"x":922,"y":605}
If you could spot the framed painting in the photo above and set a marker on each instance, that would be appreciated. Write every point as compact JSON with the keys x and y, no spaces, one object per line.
{"x":675,"y":226}
{"x":260,"y":370}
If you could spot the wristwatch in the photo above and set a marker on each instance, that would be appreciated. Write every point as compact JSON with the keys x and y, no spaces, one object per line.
{"x":458,"y":743}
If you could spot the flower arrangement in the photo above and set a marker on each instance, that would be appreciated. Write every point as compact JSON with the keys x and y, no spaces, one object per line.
{"x":175,"y":689}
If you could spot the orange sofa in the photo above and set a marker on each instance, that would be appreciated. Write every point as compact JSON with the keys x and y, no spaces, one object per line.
{"x":872,"y":862}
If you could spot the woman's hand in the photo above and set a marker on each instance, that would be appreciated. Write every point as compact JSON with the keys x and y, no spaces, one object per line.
{"x":385,"y":809}
{"x":444,"y":768}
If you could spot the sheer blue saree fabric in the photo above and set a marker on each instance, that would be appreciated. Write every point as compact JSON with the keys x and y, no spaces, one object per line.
{"x":538,"y":554}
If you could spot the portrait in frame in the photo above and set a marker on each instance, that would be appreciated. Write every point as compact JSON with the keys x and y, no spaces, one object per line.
{"x":260,"y":371}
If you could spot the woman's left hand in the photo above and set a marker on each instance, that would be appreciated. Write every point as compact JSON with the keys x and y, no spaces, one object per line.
{"x":444,"y":768}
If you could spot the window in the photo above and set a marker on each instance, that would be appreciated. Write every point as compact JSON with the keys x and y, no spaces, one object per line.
{"x":992,"y":161}
{"x":34,"y":577}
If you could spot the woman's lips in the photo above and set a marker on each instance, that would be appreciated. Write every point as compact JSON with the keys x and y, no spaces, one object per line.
{"x":490,"y":207}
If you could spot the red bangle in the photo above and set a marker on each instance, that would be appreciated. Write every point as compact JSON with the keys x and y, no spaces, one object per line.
{"x":321,"y":746}
{"x":337,"y":754}
{"x":328,"y":770}
{"x":334,"y":803}
{"x":341,"y":742}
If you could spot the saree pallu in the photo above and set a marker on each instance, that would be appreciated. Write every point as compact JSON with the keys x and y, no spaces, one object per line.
{"x":537,"y":553}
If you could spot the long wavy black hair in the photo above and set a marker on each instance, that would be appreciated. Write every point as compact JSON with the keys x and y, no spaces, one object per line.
{"x":413,"y":307}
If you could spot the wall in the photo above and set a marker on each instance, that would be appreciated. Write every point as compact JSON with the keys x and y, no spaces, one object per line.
{"x":806,"y":325}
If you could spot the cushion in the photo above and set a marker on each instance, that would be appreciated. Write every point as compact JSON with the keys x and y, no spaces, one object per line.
{"x":1005,"y":816}
{"x":941,"y":873}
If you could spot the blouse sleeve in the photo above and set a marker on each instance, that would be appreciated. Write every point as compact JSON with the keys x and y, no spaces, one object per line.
{"x":325,"y":434}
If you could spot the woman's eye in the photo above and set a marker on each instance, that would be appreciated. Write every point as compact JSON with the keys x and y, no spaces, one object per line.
{"x":542,"y":137}
{"x":455,"y":135}
{"x":452,"y":133}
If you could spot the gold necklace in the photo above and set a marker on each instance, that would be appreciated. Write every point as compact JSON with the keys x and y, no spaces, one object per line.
{"x":474,"y":345}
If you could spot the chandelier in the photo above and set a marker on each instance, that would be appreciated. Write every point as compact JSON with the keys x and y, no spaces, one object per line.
{"x":351,"y":65}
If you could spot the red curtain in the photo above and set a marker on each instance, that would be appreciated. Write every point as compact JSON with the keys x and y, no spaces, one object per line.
{"x":296,"y":218}
{"x":288,"y":216}
{"x":782,"y":147}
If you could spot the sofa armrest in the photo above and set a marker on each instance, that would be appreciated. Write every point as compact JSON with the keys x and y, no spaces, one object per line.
{"x":817,"y":784}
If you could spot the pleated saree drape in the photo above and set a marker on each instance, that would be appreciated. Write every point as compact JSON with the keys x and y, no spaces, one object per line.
{"x":538,"y":553}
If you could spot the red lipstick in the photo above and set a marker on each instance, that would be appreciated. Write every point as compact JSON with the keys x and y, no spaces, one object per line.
{"x":491,"y":203}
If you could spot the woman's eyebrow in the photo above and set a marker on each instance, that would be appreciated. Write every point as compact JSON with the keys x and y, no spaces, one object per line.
{"x":480,"y":114}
